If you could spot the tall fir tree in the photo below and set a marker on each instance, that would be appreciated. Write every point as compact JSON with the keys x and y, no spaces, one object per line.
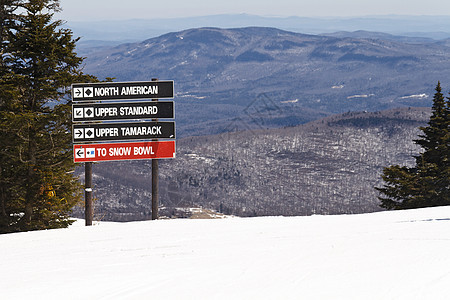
{"x":8,"y":17}
{"x":39,"y":63}
{"x":428,"y":183}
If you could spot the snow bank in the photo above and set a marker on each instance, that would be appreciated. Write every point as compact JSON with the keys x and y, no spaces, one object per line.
{"x":388,"y":255}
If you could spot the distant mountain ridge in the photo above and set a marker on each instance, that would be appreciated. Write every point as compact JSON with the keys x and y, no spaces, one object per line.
{"x":222,"y":74}
{"x":436,"y":27}
{"x":364,"y":34}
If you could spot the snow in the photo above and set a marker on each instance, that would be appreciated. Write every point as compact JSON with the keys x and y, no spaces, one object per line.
{"x":133,"y":50}
{"x":290,"y":101}
{"x":386,"y":255}
{"x":360,"y":96}
{"x":196,"y":156}
{"x":420,"y":96}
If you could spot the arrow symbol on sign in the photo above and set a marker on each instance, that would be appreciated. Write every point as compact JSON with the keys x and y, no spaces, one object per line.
{"x":79,"y":133}
{"x":80,"y":153}
{"x":78,"y":92}
{"x":79,"y":113}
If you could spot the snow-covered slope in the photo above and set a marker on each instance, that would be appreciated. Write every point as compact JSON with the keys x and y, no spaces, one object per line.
{"x":388,"y":255}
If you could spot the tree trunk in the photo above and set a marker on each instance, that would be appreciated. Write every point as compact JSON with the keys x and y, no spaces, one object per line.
{"x":31,"y":192}
{"x":3,"y":196}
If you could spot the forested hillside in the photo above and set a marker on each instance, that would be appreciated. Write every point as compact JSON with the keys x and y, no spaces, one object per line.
{"x":329,"y":166}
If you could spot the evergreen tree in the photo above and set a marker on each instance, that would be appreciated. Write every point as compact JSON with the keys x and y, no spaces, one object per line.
{"x":8,"y":16}
{"x":428,"y":183}
{"x":39,"y":63}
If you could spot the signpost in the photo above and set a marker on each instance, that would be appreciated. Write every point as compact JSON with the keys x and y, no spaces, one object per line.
{"x":97,"y":132}
{"x":98,"y":118}
{"x":155,"y":176}
{"x":123,"y":151}
{"x":122,"y":90}
{"x":122,"y":111}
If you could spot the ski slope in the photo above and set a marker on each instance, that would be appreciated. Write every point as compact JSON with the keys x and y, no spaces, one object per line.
{"x":387,"y":255}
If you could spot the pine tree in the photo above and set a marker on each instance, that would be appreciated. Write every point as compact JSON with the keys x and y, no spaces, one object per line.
{"x":428,"y":183}
{"x":39,"y":63}
{"x":7,"y":18}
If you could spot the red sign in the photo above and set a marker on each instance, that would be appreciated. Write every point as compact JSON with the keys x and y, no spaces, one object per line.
{"x":123,"y":151}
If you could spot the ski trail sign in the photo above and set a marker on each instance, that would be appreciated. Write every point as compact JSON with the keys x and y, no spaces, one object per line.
{"x":122,"y":90}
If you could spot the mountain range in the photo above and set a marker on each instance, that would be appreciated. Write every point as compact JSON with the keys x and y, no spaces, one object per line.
{"x":226,"y":74}
{"x":133,"y":30}
{"x":272,"y":122}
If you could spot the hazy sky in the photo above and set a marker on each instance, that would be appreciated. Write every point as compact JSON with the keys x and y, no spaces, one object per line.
{"x":75,"y":10}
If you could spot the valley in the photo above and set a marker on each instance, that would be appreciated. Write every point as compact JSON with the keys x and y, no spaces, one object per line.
{"x":328,"y":166}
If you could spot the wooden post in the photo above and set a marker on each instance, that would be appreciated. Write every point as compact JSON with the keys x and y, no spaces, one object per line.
{"x":155,"y":182}
{"x":88,"y":209}
{"x":155,"y":179}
